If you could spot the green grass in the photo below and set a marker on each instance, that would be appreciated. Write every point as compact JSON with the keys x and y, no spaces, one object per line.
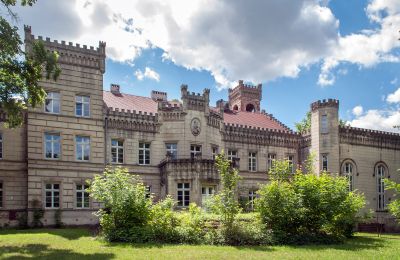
{"x":80,"y":244}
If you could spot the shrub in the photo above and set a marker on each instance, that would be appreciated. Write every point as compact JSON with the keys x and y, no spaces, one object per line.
{"x":191,"y":227}
{"x":394,"y":205}
{"x":163,"y":221}
{"x":57,"y":218}
{"x":38,"y":214}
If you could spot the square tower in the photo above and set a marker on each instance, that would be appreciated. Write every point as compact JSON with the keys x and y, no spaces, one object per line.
{"x":245,"y":97}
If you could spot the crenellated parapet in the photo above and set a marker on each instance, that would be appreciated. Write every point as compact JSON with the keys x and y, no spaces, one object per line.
{"x":69,"y":53}
{"x":324,"y":103}
{"x":260,"y":136}
{"x":367,"y":137}
{"x":195,"y":101}
{"x":215,"y":119}
{"x":131,"y":120}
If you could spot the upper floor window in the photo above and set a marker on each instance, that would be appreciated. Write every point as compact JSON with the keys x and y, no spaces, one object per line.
{"x":52,"y":195}
{"x":52,"y":103}
{"x":172,"y":150}
{"x":324,"y":124}
{"x":82,"y":148}
{"x":52,"y":146}
{"x":1,"y":146}
{"x":144,"y":153}
{"x":271,"y":160}
{"x":183,"y":196}
{"x":82,"y":196}
{"x":117,"y":151}
{"x":214,"y":152}
{"x":380,"y":173}
{"x":195,"y":150}
{"x":252,"y":161}
{"x":232,"y":155}
{"x":348,"y":172}
{"x":290,"y":159}
{"x":325,"y":162}
{"x":82,"y":106}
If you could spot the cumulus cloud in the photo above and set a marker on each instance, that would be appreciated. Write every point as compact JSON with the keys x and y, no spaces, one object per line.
{"x":147,"y":74}
{"x":256,"y":41}
{"x":384,"y":120}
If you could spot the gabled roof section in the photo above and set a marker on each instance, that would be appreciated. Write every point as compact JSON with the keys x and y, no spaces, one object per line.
{"x":254,"y":119}
{"x":129,"y":102}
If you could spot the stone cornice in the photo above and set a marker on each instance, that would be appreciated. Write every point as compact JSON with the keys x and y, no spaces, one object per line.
{"x":131,"y":120}
{"x":367,"y":137}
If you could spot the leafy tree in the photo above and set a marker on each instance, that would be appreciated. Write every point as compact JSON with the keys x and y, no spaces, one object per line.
{"x":19,"y":77}
{"x":305,"y":124}
{"x":394,"y":205}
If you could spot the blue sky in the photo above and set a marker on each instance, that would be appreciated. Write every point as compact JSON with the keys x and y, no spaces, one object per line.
{"x":301,"y":51}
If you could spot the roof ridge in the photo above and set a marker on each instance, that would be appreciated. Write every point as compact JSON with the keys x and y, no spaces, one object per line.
{"x":132,"y":95}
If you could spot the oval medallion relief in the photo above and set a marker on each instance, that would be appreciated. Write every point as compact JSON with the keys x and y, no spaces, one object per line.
{"x":195,"y":126}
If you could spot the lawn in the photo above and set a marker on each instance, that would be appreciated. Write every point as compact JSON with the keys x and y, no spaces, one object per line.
{"x":80,"y":244}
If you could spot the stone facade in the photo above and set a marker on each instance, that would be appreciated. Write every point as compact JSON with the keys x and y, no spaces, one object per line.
{"x":170,"y":144}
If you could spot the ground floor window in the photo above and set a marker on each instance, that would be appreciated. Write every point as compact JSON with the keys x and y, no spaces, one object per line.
{"x":1,"y":194}
{"x":206,"y":193}
{"x":183,"y":194}
{"x":252,"y":197}
{"x":148,"y":191}
{"x":82,"y":196}
{"x":52,"y":195}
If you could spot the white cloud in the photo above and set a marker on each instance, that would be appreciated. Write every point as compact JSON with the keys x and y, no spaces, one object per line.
{"x":148,"y":73}
{"x":358,"y":110}
{"x":394,"y":97}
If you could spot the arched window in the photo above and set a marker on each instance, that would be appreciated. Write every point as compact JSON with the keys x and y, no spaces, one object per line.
{"x":380,"y":174}
{"x":250,"y":108}
{"x":348,"y":172}
{"x":235,"y":107}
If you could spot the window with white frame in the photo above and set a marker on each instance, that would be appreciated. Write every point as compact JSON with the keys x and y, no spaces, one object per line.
{"x":1,"y":194}
{"x":252,"y":161}
{"x":252,"y":197}
{"x":117,"y":151}
{"x":183,"y":195}
{"x":1,"y":146}
{"x":214,"y":152}
{"x":82,"y":106}
{"x":206,"y":193}
{"x":52,"y":191}
{"x":82,"y":196}
{"x":380,"y":173}
{"x":348,"y":172}
{"x":290,"y":159}
{"x":52,"y":146}
{"x":82,"y":148}
{"x":172,"y":150}
{"x":52,"y":103}
{"x":144,"y":153}
{"x":271,"y":160}
{"x":195,"y":150}
{"x":233,"y":156}
{"x":325,"y":162}
{"x":324,"y":124}
{"x":148,"y":191}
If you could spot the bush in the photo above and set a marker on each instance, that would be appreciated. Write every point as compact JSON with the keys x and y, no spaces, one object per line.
{"x":163,"y":222}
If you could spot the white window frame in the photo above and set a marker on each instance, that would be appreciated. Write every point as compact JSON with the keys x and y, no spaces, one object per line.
{"x":53,"y":140}
{"x":348,"y":172}
{"x":290,"y":158}
{"x":172,"y":150}
{"x":1,"y":194}
{"x":207,"y":191}
{"x":252,"y":196}
{"x":214,"y":152}
{"x":380,"y":173}
{"x":54,"y":101}
{"x":144,"y":149}
{"x":81,"y":145}
{"x":232,"y":155}
{"x":271,"y":160}
{"x":325,"y":162}
{"x":1,"y":146}
{"x":53,"y":195}
{"x":148,"y":191}
{"x":252,"y":161}
{"x":85,"y":103}
{"x":183,"y":191}
{"x":195,"y":149}
{"x":324,"y":124}
{"x":81,"y":189}
{"x":117,"y":150}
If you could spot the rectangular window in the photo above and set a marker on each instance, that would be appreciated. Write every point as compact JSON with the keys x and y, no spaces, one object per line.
{"x":233,"y":157}
{"x":183,"y":194}
{"x":252,"y":197}
{"x":82,"y":148}
{"x":82,"y":106}
{"x":117,"y":151}
{"x":195,"y":150}
{"x":52,"y":146}
{"x":214,"y":152}
{"x":324,"y":124}
{"x":52,"y":103}
{"x":144,"y":153}
{"x":252,"y":161}
{"x":290,"y":158}
{"x":82,"y":196}
{"x":1,"y":194}
{"x":52,"y":195}
{"x":325,"y":162}
{"x":271,"y":160}
{"x":148,"y":191}
{"x":1,"y":146}
{"x":206,"y":193}
{"x":172,"y":150}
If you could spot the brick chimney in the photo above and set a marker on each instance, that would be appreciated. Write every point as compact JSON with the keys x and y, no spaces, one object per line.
{"x":115,"y":89}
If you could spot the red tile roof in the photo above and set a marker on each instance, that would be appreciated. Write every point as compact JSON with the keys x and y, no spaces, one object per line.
{"x":131,"y":102}
{"x":253,"y":119}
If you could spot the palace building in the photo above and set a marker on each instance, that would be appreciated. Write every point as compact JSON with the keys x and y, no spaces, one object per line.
{"x":171,"y":145}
